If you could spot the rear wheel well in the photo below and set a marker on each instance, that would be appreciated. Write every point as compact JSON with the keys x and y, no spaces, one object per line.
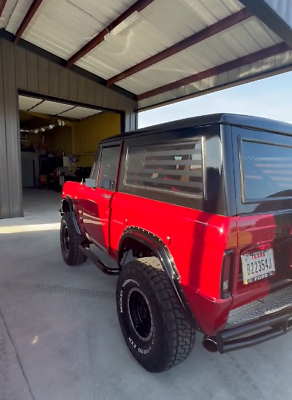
{"x":138,"y":249}
{"x":142,"y":250}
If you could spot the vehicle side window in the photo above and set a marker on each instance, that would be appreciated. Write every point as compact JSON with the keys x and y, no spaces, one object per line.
{"x":94,"y":171}
{"x":176,"y":168}
{"x":266,"y":170}
{"x":108,"y":169}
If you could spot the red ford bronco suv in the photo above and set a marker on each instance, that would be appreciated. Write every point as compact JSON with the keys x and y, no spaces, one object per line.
{"x":198,"y":216}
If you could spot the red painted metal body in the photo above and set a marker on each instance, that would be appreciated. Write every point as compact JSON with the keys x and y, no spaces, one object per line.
{"x":196,"y":240}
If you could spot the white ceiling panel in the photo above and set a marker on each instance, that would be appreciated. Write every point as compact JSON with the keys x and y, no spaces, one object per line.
{"x":216,"y":50}
{"x":160,"y":25}
{"x":26,"y":103}
{"x":79,"y":113}
{"x":52,"y":108}
{"x":7,"y":12}
{"x":62,"y":27}
{"x":19,"y":10}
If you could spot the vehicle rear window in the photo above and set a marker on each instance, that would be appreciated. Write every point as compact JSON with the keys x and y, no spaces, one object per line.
{"x":176,"y":168}
{"x":266,"y":170}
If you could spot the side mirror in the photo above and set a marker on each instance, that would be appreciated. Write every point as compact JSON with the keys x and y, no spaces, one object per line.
{"x":90,"y":183}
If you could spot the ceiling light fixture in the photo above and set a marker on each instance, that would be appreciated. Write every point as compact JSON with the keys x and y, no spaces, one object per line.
{"x":44,"y":128}
{"x":122,"y":26}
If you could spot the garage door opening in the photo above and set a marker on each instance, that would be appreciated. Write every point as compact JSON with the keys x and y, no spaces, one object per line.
{"x":59,"y":141}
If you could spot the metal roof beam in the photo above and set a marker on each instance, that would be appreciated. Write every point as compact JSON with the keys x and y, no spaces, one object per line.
{"x":270,"y":18}
{"x":138,"y":6}
{"x":198,"y":37}
{"x":26,"y":20}
{"x":2,"y":6}
{"x":226,"y":67}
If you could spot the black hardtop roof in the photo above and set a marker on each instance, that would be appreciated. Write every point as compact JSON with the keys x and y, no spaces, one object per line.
{"x":256,"y":123}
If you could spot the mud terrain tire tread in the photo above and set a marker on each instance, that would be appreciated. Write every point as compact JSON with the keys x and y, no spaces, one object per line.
{"x":177,"y":334}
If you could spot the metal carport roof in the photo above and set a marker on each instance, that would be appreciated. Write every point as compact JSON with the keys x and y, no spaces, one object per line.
{"x":158,"y":51}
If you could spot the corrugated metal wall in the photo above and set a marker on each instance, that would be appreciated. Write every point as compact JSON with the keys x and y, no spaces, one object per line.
{"x":88,"y":133}
{"x":26,"y":71}
{"x":10,"y":169}
{"x":38,"y":75}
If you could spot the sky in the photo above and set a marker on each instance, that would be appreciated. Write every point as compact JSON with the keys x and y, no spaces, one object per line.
{"x":270,"y":98}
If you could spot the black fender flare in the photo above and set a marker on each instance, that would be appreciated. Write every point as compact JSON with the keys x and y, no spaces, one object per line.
{"x":161,"y":251}
{"x":72,"y":212}
{"x":70,"y":201}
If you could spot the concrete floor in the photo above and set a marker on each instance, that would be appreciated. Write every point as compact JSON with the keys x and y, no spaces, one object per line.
{"x":60,"y":338}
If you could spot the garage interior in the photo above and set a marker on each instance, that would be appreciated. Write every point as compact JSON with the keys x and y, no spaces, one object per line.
{"x":59,"y":140}
{"x":94,"y":65}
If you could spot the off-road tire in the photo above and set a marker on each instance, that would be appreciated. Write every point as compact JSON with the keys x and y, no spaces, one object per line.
{"x":71,"y":255}
{"x":171,"y":336}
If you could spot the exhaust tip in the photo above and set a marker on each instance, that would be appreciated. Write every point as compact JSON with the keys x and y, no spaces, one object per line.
{"x":209,"y":343}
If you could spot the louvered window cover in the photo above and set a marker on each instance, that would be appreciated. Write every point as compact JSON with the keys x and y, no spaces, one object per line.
{"x":176,"y":168}
{"x":266,"y":170}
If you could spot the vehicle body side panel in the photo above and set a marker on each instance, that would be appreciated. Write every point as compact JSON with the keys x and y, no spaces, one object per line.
{"x":96,"y":214}
{"x":196,"y":241}
{"x":76,"y":192}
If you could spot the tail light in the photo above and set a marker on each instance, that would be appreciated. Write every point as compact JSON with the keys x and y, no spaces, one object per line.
{"x":227,"y":274}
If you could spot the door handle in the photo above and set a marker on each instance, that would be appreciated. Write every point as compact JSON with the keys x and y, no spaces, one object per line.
{"x":106,"y":196}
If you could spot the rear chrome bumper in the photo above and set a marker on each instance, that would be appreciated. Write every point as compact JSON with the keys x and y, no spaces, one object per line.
{"x":257,"y":322}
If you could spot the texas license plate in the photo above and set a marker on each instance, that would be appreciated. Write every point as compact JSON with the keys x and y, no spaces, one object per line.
{"x":257,"y":266}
